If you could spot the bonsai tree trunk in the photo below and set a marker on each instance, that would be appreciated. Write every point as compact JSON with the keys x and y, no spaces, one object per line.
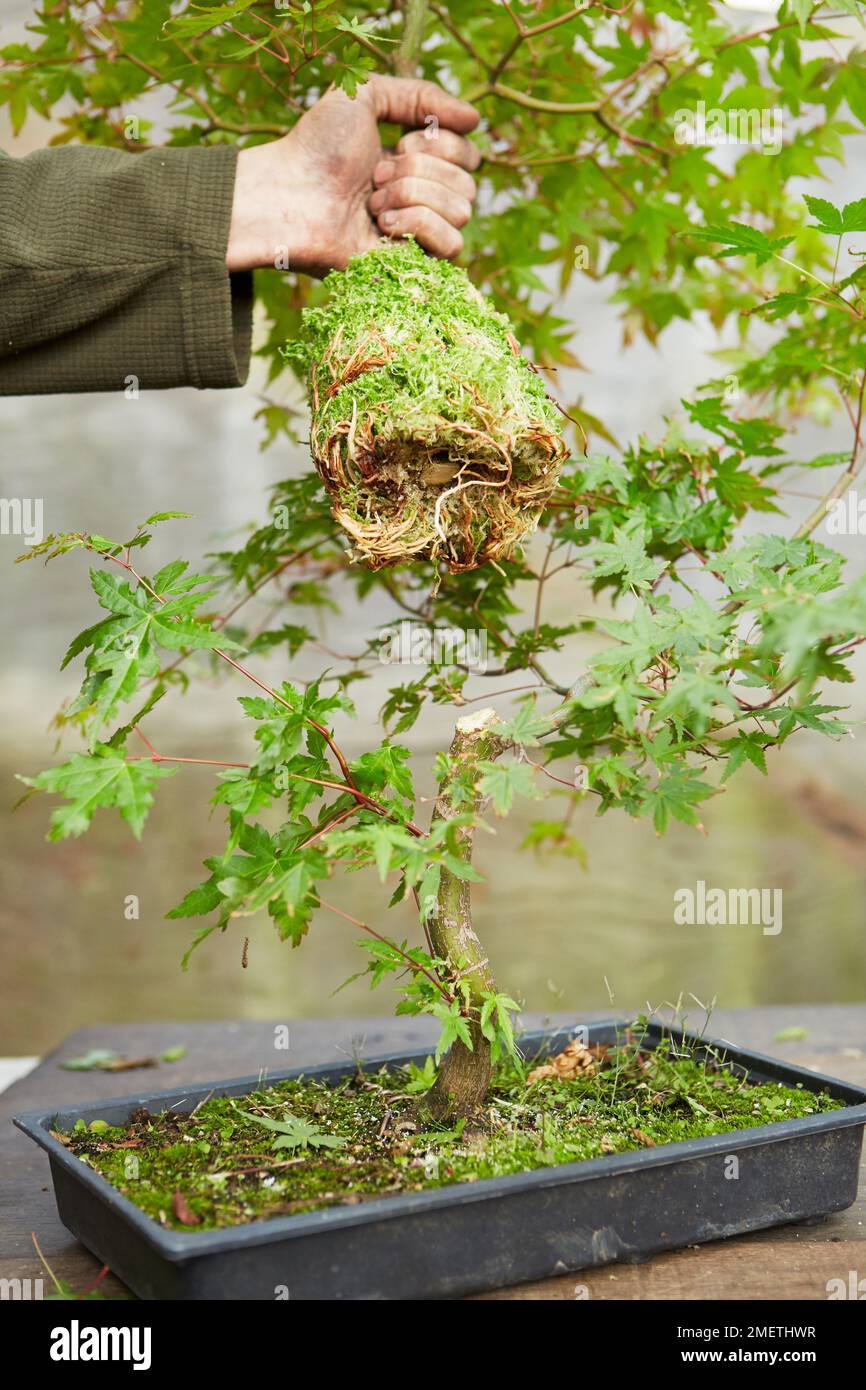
{"x":465,"y":1074}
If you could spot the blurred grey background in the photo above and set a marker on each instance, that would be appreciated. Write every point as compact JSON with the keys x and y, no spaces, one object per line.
{"x":559,"y":937}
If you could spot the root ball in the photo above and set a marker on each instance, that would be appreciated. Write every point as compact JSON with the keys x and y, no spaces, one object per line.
{"x":434,"y":437}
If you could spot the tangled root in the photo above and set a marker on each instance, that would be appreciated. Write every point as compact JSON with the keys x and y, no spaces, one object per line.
{"x":434,"y":438}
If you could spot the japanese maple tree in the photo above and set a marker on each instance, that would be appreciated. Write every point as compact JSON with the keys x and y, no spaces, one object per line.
{"x":724,"y":645}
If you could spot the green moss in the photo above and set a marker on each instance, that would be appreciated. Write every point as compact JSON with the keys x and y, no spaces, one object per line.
{"x":432,"y":434}
{"x":367,"y":1137}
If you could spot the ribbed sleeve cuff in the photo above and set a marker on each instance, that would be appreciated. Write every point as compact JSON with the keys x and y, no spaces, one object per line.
{"x":217,"y":307}
{"x":113,"y":271}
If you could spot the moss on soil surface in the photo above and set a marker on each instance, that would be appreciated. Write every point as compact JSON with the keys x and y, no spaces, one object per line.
{"x":435,"y":438}
{"x":301,"y":1145}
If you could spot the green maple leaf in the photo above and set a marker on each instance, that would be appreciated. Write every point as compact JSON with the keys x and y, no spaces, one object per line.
{"x":837,"y":221}
{"x":266,"y":874}
{"x":626,"y":555}
{"x":382,"y":768}
{"x":382,"y":843}
{"x":124,"y":647}
{"x":281,"y":731}
{"x":694,"y":695}
{"x":600,"y":473}
{"x":613,"y":772}
{"x":454,"y":1027}
{"x":202,"y":20}
{"x":290,"y":635}
{"x":639,"y":639}
{"x":103,"y":777}
{"x":741,"y":240}
{"x":699,"y":627}
{"x":291,"y":898}
{"x":751,"y":436}
{"x":286,"y":723}
{"x":745,"y":748}
{"x":295,"y":1132}
{"x":503,"y":781}
{"x":677,"y":794}
{"x":171,"y":624}
{"x":527,"y":724}
{"x":550,"y":837}
{"x":269,"y":876}
{"x":199,"y":901}
{"x":810,"y":715}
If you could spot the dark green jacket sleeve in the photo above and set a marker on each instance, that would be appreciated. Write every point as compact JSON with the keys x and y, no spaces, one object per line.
{"x":112,"y":266}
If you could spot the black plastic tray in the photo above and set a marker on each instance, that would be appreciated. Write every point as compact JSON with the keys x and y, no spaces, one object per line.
{"x":482,"y":1235}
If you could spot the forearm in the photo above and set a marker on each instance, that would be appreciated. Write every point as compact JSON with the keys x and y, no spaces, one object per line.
{"x":113,"y":267}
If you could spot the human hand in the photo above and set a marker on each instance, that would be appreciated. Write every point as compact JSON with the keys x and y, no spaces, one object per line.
{"x":328,"y":190}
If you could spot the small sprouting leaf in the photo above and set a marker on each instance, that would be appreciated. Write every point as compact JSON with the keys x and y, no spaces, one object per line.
{"x":295,"y":1132}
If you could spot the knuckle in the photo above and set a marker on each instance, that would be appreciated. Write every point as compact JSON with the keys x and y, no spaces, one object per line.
{"x":468,"y":154}
{"x":409,"y":143}
{"x":391,"y":222}
{"x":404,"y":191}
{"x":466,"y":186}
{"x":445,"y":145}
{"x":455,"y":178}
{"x":421,"y":220}
{"x":390,"y":194}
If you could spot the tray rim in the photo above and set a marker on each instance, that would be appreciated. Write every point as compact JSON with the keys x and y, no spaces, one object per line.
{"x":180,"y":1247}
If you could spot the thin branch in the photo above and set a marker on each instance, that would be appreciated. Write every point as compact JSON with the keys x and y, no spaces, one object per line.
{"x":166,"y":758}
{"x":858,"y":457}
{"x":447,"y":23}
{"x":413,"y":964}
{"x":542,"y":579}
{"x":562,"y":108}
{"x":414,"y":21}
{"x":323,"y":829}
{"x":235,"y":128}
{"x":359,"y":796}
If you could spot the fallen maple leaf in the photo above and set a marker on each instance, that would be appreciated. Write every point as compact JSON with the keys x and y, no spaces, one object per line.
{"x":181,"y":1209}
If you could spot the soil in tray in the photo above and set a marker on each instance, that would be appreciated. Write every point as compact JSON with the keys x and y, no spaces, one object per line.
{"x":305,"y":1144}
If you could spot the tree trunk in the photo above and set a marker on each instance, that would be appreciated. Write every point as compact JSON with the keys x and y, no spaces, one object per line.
{"x":465,"y":1074}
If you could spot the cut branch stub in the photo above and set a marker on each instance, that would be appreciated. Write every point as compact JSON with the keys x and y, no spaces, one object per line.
{"x":465,"y":1073}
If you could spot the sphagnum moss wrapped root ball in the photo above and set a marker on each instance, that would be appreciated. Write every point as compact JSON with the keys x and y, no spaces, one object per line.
{"x":433,"y":436}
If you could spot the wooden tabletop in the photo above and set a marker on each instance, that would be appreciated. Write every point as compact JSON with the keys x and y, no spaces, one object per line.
{"x":788,"y":1262}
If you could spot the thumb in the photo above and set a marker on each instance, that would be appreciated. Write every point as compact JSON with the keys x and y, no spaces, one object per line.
{"x":407,"y":101}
